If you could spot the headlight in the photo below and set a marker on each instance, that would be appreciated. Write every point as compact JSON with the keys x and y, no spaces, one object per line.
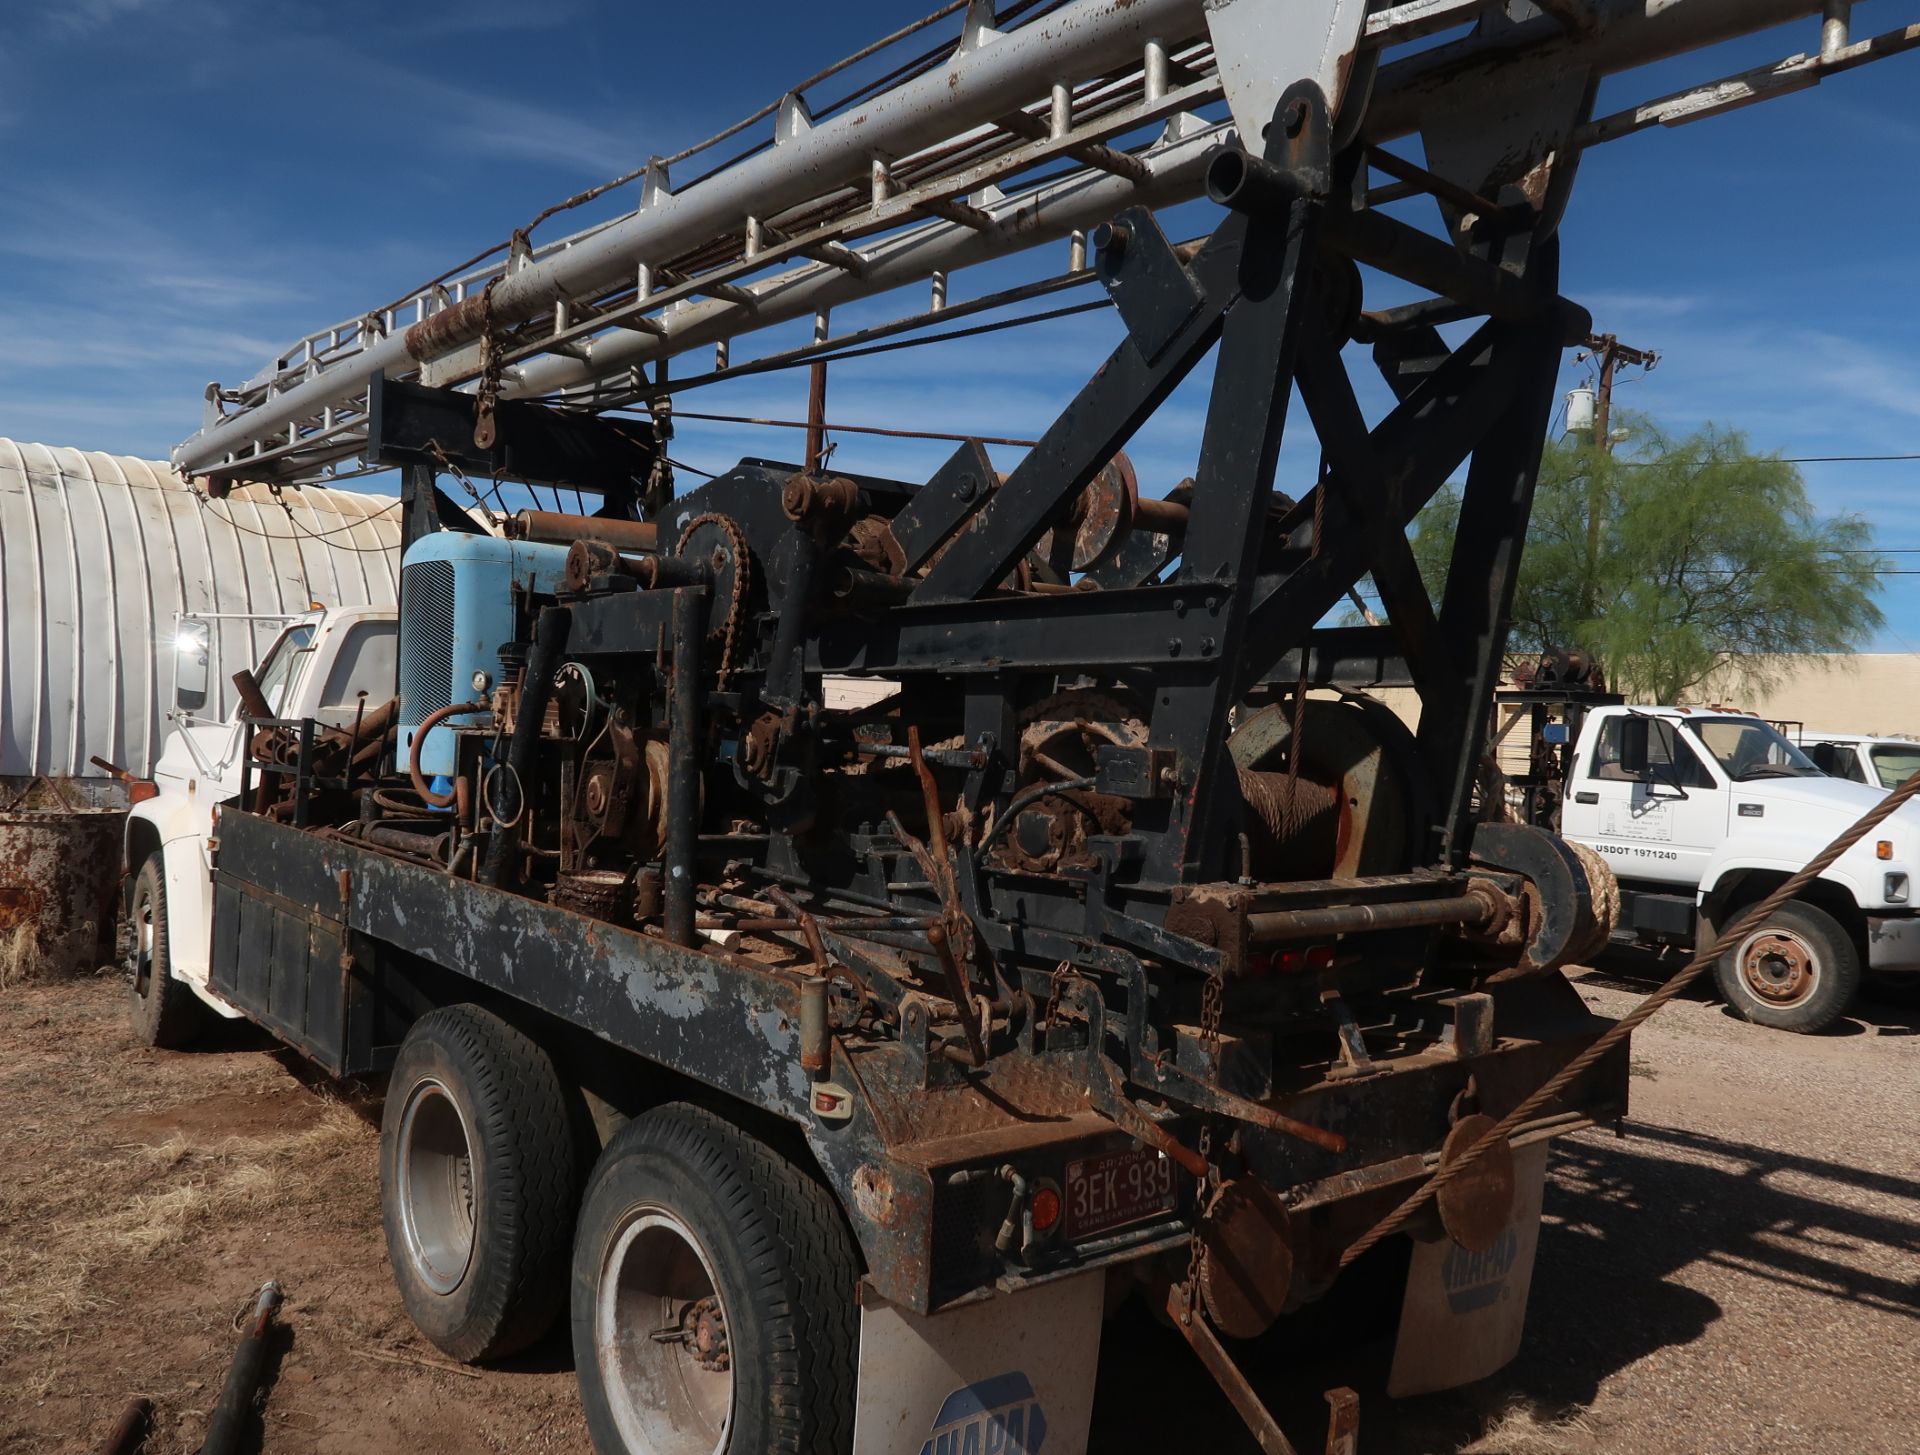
{"x":1896,"y":889}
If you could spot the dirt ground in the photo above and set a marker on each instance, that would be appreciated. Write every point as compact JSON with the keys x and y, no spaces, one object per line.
{"x":1739,"y":1273}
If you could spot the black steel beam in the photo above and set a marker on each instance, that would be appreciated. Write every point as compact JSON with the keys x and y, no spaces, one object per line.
{"x":1476,"y":608}
{"x":414,"y":424}
{"x":1102,"y":417}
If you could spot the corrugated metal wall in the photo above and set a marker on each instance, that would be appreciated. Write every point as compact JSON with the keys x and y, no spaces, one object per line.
{"x":99,"y":556}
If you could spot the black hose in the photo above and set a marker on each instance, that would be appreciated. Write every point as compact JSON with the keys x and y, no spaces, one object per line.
{"x":536,"y":690}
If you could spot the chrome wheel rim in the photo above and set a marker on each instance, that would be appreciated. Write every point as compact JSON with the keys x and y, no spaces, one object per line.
{"x":660,"y":1337}
{"x":140,"y":947}
{"x":436,"y":1186}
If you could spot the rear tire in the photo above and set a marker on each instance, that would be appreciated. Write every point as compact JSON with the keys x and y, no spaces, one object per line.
{"x":477,"y":1183}
{"x":694,"y":1229}
{"x":1797,"y":972}
{"x":165,"y":1013}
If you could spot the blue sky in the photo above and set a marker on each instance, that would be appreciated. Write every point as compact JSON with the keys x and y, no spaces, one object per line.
{"x":186,"y":186}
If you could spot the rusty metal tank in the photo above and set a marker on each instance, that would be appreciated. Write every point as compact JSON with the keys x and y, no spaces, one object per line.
{"x":59,"y":871}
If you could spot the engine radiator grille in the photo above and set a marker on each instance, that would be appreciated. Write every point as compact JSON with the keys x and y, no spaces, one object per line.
{"x":426,"y":639}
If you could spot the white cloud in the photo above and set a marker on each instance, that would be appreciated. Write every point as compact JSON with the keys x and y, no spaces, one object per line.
{"x":76,"y":19}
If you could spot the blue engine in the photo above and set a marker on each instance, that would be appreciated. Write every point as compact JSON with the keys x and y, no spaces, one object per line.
{"x":457,"y":609}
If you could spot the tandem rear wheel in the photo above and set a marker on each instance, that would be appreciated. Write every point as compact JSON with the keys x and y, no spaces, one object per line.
{"x":713,"y":1296}
{"x":478,"y":1179}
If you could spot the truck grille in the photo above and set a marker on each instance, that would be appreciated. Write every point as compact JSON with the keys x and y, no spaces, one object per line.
{"x":426,"y":639}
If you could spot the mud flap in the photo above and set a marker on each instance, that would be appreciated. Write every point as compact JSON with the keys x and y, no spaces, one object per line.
{"x":1463,"y":1313}
{"x":1011,"y":1375}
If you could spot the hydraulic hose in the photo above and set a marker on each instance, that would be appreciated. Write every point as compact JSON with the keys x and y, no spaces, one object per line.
{"x":427,"y":725}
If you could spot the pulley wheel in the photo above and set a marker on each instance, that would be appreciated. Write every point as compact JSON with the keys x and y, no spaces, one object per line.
{"x":1246,"y":1258}
{"x":1475,"y":1206}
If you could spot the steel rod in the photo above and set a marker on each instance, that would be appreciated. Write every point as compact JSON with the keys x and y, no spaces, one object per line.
{"x":683,"y":763}
{"x":1278,"y":926}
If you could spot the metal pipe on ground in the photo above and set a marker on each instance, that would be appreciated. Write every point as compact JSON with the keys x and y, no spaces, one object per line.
{"x":235,"y":1409}
{"x":130,"y":1431}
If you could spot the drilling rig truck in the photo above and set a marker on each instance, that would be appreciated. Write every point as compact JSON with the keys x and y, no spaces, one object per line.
{"x":832,"y":1066}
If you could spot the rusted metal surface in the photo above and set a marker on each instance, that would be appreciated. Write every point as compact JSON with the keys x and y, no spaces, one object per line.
{"x":1278,"y":926}
{"x":1475,"y":1207}
{"x":1246,"y":1258}
{"x":59,"y":871}
{"x":1233,"y":1384}
{"x":1343,"y":1422}
{"x":1778,"y":966}
{"x":557,"y":528}
{"x":130,"y":1431}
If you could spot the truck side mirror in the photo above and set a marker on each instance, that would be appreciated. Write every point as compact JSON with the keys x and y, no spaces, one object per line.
{"x":192,"y":655}
{"x":1633,"y":746}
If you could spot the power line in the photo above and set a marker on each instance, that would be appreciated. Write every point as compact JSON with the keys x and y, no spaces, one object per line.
{"x":1783,"y":460}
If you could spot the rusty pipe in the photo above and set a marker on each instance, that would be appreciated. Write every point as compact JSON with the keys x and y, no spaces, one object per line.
{"x":556,"y":528}
{"x":234,"y":1410}
{"x":129,"y":1433}
{"x":1269,"y":927}
{"x":427,"y":725}
{"x":957,"y":989}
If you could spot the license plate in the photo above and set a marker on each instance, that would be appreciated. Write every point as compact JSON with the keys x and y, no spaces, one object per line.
{"x":1117,"y":1188}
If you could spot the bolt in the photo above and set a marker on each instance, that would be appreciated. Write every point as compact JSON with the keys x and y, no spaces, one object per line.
{"x":1206,"y":646}
{"x":1296,"y":117}
{"x":1110,"y":239}
{"x":1173,"y":646}
{"x":968,"y":487}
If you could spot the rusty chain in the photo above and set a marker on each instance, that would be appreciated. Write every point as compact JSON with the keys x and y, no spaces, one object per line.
{"x":487,"y":393}
{"x":1631,"y":1021}
{"x":1212,"y":999}
{"x":447,"y":464}
{"x":1062,"y":974}
{"x":737,"y":601}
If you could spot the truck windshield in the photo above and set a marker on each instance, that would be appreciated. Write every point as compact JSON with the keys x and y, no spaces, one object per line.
{"x":1748,"y":748}
{"x":282,"y":663}
{"x":1894,"y":766}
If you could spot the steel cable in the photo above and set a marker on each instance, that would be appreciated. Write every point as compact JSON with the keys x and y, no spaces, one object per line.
{"x":1632,"y":1021}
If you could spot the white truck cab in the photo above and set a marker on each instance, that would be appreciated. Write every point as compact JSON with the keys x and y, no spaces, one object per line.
{"x":1702,"y":812}
{"x":322,"y":664}
{"x":1878,"y":762}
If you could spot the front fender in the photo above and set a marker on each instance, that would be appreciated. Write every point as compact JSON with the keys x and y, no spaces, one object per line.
{"x":173,"y":828}
{"x":1725,"y":871}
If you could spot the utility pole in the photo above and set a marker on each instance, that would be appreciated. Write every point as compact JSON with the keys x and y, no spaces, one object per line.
{"x":1611,"y":353}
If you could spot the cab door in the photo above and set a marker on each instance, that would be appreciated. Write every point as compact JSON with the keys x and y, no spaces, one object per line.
{"x":1656,"y":819}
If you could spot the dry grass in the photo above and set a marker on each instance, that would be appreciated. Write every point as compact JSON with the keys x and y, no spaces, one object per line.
{"x":19,"y":956}
{"x":1521,"y":1429}
{"x":167,"y":1194}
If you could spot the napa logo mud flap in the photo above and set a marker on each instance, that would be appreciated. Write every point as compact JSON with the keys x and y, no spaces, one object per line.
{"x":1464,"y":1313}
{"x":1009,"y":1375}
{"x":997,"y":1416}
{"x":1476,"y":1281}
